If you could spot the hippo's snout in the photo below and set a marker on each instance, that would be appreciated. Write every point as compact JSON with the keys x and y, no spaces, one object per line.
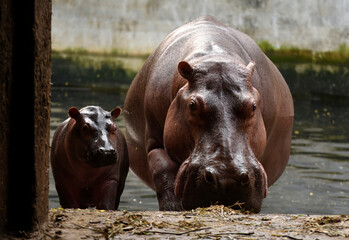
{"x":101,"y":157}
{"x":202,"y":186}
{"x":102,"y":152}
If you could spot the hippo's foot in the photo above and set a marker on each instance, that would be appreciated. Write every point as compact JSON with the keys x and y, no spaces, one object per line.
{"x":164,"y":172}
{"x":169,"y":202}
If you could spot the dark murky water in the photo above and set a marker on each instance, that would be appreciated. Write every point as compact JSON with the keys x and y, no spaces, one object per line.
{"x":316,"y":180}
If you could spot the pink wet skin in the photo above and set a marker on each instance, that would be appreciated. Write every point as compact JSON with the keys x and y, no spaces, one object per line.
{"x":89,"y":159}
{"x":208,"y":119}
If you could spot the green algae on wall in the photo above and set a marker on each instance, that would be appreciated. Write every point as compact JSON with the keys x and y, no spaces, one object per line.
{"x":79,"y":68}
{"x":291,"y":54}
{"x":308,"y":72}
{"x":310,"y":79}
{"x":305,"y":71}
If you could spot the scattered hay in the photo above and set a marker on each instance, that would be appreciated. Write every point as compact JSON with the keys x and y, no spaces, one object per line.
{"x":215,"y":222}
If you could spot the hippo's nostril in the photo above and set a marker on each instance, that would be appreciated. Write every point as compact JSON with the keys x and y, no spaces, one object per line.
{"x":244,"y":179}
{"x":110,"y":153}
{"x":210,"y":178}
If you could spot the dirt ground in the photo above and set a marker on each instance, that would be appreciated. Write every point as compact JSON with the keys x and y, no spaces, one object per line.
{"x":216,"y":222}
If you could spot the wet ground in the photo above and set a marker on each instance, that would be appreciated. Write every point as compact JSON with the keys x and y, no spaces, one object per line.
{"x":216,"y":222}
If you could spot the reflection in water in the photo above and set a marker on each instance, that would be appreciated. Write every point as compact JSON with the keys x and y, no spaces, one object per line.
{"x":316,"y":180}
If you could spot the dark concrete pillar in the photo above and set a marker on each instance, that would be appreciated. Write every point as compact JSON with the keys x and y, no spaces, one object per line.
{"x":5,"y":84}
{"x":25,"y":73}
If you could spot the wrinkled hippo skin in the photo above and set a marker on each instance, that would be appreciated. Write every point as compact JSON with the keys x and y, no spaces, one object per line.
{"x":208,"y":119}
{"x":89,"y":159}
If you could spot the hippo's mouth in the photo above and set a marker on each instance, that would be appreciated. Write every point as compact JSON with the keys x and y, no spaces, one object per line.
{"x":197,"y":190}
{"x":97,"y":158}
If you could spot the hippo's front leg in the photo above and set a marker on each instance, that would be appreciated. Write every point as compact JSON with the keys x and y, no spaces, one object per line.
{"x":106,"y":197}
{"x":164,"y":172}
{"x":68,"y":196}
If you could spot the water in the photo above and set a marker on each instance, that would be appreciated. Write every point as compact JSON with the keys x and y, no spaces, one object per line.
{"x":316,"y":180}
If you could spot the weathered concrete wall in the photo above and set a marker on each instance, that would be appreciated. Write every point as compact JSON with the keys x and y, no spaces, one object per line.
{"x":138,"y":26}
{"x":25,"y":73}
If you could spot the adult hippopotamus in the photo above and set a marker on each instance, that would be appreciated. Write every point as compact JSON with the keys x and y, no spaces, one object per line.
{"x":208,"y":119}
{"x":89,"y":159}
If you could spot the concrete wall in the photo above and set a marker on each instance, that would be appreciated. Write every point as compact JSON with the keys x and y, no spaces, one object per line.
{"x":138,"y":26}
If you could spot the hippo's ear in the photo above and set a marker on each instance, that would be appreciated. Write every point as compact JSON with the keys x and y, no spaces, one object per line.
{"x":185,"y":70}
{"x":74,"y":112}
{"x":115,"y":112}
{"x":250,"y":67}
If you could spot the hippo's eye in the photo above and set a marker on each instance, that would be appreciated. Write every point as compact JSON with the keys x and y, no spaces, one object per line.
{"x":85,"y":127}
{"x":247,"y":109}
{"x":111,"y":128}
{"x":254,"y":106}
{"x":192,"y":105}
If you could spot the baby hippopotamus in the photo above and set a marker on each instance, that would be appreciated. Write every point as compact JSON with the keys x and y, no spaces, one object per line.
{"x":89,"y":159}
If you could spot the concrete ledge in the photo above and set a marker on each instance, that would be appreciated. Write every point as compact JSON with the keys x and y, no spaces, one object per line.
{"x":216,"y":222}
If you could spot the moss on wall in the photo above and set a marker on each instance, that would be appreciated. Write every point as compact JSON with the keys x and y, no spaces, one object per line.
{"x":305,"y":71}
{"x":78,"y":68}
{"x":291,"y":54}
